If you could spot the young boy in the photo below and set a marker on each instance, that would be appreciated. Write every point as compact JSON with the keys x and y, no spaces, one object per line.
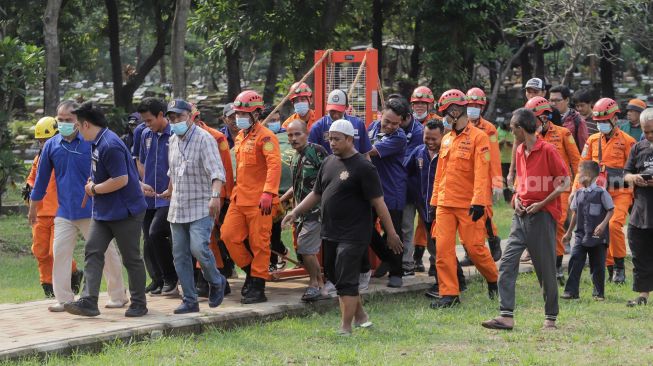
{"x":592,"y":208}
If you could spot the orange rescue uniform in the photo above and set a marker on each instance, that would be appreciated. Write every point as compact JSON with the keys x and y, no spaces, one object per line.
{"x":564,"y":142}
{"x":614,"y":154}
{"x":43,"y":230}
{"x":309,"y":118}
{"x":496,"y":175}
{"x":462,"y":179}
{"x":258,"y":170}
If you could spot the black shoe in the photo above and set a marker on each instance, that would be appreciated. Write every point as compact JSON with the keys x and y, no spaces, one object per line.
{"x":381,"y":270}
{"x":216,"y":292}
{"x":445,"y":302}
{"x":466,"y":261}
{"x":153,"y":286}
{"x":186,"y":308}
{"x":256,"y":292}
{"x":48,"y":290}
{"x":227,"y":288}
{"x":409,"y":273}
{"x":202,"y":289}
{"x":433,"y":291}
{"x":169,"y":288}
{"x":560,"y":276}
{"x":136,"y":311}
{"x":419,"y":267}
{"x":157,"y":291}
{"x":432,"y":271}
{"x":569,"y":296}
{"x":492,"y":290}
{"x":495,"y":248}
{"x":83,"y":306}
{"x":246,"y":286}
{"x":610,"y":273}
{"x":418,"y":258}
{"x":619,"y":276}
{"x":76,"y":281}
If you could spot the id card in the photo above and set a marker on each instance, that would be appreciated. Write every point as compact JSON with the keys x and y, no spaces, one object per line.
{"x":182,"y":168}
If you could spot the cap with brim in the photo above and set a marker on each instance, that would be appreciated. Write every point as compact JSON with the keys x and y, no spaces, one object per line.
{"x":228,"y":110}
{"x":535,"y":83}
{"x":636,"y":105}
{"x":343,"y":126}
{"x":179,"y":106}
{"x":337,"y":101}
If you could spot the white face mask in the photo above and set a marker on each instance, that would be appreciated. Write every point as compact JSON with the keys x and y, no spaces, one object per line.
{"x":473,"y":113}
{"x":243,"y":123}
{"x":420,"y":116}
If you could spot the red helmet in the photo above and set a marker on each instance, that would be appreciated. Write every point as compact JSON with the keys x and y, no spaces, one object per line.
{"x":451,"y":96}
{"x":539,"y":105}
{"x":476,"y":96}
{"x":300,"y":90}
{"x":422,"y":94}
{"x":194,"y":112}
{"x":604,"y":109}
{"x":248,"y":101}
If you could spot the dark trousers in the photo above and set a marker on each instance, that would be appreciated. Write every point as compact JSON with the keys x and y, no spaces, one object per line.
{"x":641,"y":246}
{"x":276,"y":243}
{"x":579,"y":254}
{"x":157,"y":249}
{"x":342,"y":263}
{"x":380,"y":247}
{"x":127,"y":233}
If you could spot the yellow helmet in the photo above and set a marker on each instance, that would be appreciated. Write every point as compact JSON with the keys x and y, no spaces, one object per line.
{"x":45,"y":128}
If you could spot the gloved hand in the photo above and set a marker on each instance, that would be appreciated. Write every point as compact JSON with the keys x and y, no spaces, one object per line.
{"x":265,"y":203}
{"x":26,"y":192}
{"x":476,"y":212}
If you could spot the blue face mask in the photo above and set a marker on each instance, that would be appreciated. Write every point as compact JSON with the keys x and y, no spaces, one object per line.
{"x":243,"y":123}
{"x":446,"y":124}
{"x":66,"y":128}
{"x":179,"y":128}
{"x":473,"y":113}
{"x":301,"y":108}
{"x":274,"y":126}
{"x":604,"y":128}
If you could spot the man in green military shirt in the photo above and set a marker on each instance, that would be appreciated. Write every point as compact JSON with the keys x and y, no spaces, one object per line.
{"x":304,"y":168}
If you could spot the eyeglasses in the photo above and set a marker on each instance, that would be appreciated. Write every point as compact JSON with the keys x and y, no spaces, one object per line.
{"x":555,"y":100}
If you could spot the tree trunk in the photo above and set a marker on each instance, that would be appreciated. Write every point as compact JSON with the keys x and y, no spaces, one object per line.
{"x":377,"y":32}
{"x":272,"y":74}
{"x":114,"y":50}
{"x":233,"y":71}
{"x":162,"y":70}
{"x":526,"y":67}
{"x":139,"y":45}
{"x":52,"y":57}
{"x":540,"y":68}
{"x":609,"y":51}
{"x":177,"y":48}
{"x":415,"y":54}
{"x":491,"y":108}
{"x":569,"y":71}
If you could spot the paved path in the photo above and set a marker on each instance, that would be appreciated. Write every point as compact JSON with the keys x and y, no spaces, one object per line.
{"x":29,"y":329}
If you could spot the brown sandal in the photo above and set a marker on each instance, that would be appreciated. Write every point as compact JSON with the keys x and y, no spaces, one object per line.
{"x":495,"y":324}
{"x":641,"y":300}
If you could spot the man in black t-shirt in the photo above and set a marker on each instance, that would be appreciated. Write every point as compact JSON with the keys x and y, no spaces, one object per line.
{"x":639,"y":173}
{"x":348,"y":187}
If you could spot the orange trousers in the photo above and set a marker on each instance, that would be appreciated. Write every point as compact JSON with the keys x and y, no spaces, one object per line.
{"x":448,"y":221}
{"x":560,"y":230}
{"x":243,"y":222}
{"x":42,"y":238}
{"x":419,"y":239}
{"x":617,"y":247}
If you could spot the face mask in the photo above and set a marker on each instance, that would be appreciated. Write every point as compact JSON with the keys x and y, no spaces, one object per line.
{"x":179,"y":128}
{"x":301,"y":108}
{"x":603,"y":127}
{"x":538,"y":130}
{"x":445,"y":123}
{"x":274,"y":126}
{"x":243,"y":123}
{"x":66,"y":128}
{"x":473,"y":112}
{"x":420,"y":116}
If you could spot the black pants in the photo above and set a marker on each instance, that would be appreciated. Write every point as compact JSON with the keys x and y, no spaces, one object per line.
{"x":157,"y":248}
{"x":507,"y":192}
{"x":641,"y":246}
{"x":276,"y":243}
{"x":380,"y":247}
{"x":597,"y":268}
{"x":342,"y":263}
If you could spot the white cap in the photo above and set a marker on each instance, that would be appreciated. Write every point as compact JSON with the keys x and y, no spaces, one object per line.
{"x":337,"y":101}
{"x":343,"y":126}
{"x":535,"y":83}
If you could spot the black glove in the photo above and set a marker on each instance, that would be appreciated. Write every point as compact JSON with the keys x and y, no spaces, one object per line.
{"x":26,"y":192}
{"x":476,"y":212}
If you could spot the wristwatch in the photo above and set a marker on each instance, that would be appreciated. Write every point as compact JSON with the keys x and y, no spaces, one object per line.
{"x":93,"y":189}
{"x":215,"y":194}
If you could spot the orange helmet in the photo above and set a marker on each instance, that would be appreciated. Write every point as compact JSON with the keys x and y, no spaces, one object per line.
{"x":451,"y":96}
{"x":422,"y":94}
{"x":248,"y":101}
{"x":539,"y":105}
{"x":476,"y":96}
{"x":300,"y":90}
{"x":604,"y":109}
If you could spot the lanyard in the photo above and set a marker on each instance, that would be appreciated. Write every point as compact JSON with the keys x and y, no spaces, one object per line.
{"x":63,"y":146}
{"x":182,"y":151}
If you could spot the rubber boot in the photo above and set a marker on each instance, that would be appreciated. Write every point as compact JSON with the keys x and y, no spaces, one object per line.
{"x":201,"y":286}
{"x":462,"y":283}
{"x":432,"y":271}
{"x":418,"y":256}
{"x":495,"y":247}
{"x":619,"y":271}
{"x":247,"y":283}
{"x":256,"y":292}
{"x":560,"y":276}
{"x":610,"y":273}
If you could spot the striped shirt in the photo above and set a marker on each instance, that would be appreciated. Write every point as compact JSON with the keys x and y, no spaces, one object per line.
{"x":194,"y":164}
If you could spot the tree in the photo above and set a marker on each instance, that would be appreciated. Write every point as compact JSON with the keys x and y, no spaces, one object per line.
{"x":123,"y":92}
{"x":52,"y":59}
{"x":177,"y":48}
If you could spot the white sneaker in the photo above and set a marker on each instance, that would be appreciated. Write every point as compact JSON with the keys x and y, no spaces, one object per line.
{"x":330,"y":288}
{"x":116,"y":304}
{"x":56,"y":308}
{"x":364,"y":280}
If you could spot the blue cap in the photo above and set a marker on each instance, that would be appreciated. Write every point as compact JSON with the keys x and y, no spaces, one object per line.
{"x":179,"y":106}
{"x":134,"y":118}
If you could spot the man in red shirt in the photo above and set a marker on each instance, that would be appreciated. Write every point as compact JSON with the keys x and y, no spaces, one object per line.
{"x":542,"y":177}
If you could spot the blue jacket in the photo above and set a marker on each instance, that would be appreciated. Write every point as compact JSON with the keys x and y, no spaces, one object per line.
{"x":420,"y":169}
{"x":320,"y":133}
{"x":389,"y":164}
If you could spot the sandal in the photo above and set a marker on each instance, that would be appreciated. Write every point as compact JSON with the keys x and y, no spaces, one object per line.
{"x":311,"y":294}
{"x":641,"y":300}
{"x":367,"y":324}
{"x":495,"y":324}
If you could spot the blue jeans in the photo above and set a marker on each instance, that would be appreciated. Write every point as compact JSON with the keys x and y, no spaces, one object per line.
{"x":192,"y":239}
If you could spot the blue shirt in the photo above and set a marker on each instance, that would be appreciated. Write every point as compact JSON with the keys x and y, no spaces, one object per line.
{"x":230,"y":139}
{"x":414,"y":135}
{"x":110,"y":158}
{"x":71,"y":162}
{"x":136,"y":146}
{"x":154,"y":157}
{"x":390,"y":164}
{"x":421,"y":176}
{"x":320,"y":134}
